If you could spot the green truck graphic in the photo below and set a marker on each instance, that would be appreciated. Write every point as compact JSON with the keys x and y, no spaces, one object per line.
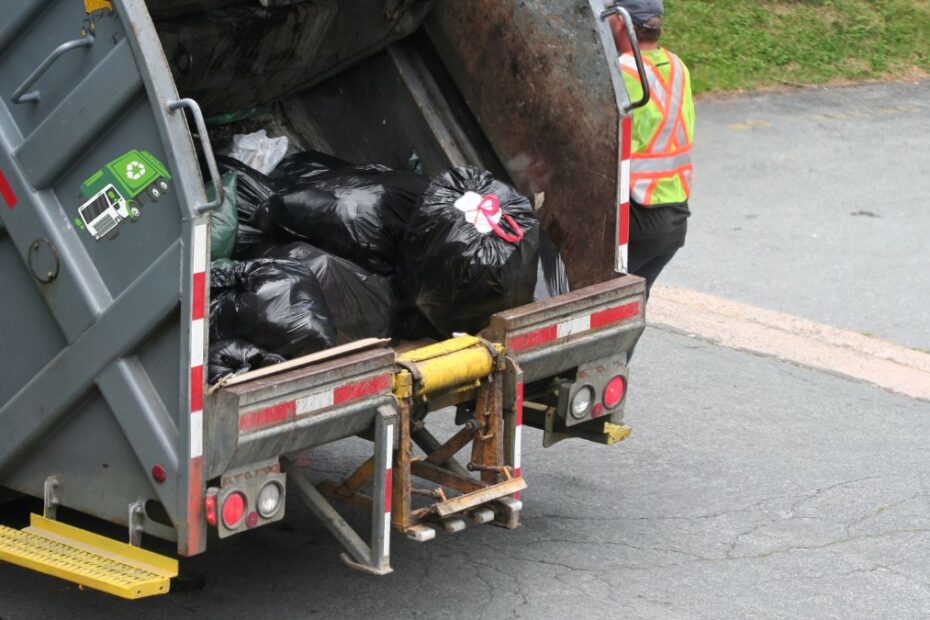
{"x":115,"y":192}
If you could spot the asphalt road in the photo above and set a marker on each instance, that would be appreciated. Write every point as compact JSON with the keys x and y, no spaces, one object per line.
{"x":816,"y":203}
{"x":750,"y":487}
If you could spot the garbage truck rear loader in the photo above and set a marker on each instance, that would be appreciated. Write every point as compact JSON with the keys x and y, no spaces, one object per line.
{"x":104,"y":406}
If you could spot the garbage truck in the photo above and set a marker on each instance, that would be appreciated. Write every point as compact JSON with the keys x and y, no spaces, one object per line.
{"x":104,"y":406}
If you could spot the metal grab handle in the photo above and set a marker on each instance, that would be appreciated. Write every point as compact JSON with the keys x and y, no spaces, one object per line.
{"x":20,"y":95}
{"x":190,"y":104}
{"x":640,"y":66}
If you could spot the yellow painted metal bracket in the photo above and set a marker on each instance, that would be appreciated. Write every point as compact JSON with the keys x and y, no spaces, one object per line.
{"x":608,"y":435}
{"x":87,"y":559}
{"x":97,"y":5}
{"x":615,"y":433}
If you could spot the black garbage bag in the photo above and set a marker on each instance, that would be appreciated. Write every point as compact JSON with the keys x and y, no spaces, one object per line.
{"x":222,"y":274}
{"x":253,"y":190}
{"x":551,"y":277}
{"x":412,"y":325}
{"x":363,"y":304}
{"x":249,"y":241}
{"x":357,"y":213}
{"x":306,"y":164}
{"x":236,"y":356}
{"x":276,"y":305}
{"x":470,"y":250}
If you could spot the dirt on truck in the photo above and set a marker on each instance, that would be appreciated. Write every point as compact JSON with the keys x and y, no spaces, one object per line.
{"x":106,"y":409}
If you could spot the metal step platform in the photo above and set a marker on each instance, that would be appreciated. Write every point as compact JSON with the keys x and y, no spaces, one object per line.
{"x":87,"y":559}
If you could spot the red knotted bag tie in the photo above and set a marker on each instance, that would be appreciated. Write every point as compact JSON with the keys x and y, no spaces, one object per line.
{"x":490,"y":206}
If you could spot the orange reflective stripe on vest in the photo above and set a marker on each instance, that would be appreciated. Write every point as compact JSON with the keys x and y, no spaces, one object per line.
{"x":666,"y":158}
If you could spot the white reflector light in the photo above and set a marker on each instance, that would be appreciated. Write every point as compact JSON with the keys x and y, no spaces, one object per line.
{"x":269,"y":499}
{"x":582,"y":401}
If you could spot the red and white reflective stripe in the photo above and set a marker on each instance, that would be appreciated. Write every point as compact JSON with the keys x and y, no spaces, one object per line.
{"x":573,"y":326}
{"x":7,"y":192}
{"x":623,"y":210}
{"x":388,"y":486}
{"x":315,"y":401}
{"x":518,"y":435}
{"x":198,"y":322}
{"x":195,"y":539}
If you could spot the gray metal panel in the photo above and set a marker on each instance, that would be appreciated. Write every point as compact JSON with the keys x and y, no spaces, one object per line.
{"x":315,"y":430}
{"x":562,"y":353}
{"x":61,"y":21}
{"x":24,"y":326}
{"x":179,"y":151}
{"x":548,"y":362}
{"x":144,"y":419}
{"x":165,"y":346}
{"x":80,"y":119}
{"x":321,"y":423}
{"x":105,"y":371}
{"x":16,"y":16}
{"x":49,"y":396}
{"x":139,"y":241}
{"x":97,"y":467}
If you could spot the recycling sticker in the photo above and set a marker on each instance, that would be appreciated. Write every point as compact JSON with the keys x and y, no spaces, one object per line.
{"x":135,"y":170}
{"x":118,"y":191}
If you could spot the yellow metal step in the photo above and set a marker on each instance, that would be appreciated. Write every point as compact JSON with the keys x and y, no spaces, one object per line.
{"x":87,"y":559}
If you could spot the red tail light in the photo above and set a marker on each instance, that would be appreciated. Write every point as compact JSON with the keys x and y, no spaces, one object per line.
{"x":211,"y":509}
{"x":614,"y":392}
{"x":233,"y":509}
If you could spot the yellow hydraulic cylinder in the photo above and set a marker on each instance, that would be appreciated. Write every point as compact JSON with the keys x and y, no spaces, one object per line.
{"x":451,"y":363}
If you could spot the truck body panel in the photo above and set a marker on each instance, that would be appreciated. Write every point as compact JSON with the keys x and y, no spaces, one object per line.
{"x":103,"y":386}
{"x":106,"y":392}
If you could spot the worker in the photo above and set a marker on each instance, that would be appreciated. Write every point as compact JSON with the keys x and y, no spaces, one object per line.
{"x":663,"y":130}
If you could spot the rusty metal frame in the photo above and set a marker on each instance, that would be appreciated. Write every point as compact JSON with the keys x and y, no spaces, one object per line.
{"x":485,"y":489}
{"x":457,"y":491}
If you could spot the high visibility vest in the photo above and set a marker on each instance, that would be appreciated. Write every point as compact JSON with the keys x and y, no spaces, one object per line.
{"x":663,"y":130}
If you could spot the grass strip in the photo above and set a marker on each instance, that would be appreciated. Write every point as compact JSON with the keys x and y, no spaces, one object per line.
{"x":750,"y":44}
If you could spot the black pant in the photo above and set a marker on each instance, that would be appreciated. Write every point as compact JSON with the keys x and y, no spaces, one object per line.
{"x":649,"y":267}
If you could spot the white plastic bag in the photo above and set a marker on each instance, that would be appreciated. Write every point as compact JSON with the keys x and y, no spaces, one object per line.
{"x":258,"y":151}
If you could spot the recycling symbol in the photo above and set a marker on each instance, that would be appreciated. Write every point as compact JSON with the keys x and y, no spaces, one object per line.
{"x":134,"y":170}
